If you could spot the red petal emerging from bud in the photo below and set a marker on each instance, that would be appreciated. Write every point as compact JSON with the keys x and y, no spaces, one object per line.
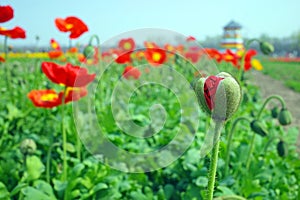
{"x":210,"y":89}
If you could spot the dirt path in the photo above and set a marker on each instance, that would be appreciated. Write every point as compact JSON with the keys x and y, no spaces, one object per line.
{"x":270,"y":86}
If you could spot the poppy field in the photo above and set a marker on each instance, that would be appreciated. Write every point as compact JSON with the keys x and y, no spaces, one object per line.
{"x":141,"y":120}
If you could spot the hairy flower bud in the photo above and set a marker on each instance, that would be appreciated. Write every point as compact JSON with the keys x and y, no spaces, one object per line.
{"x":219,"y":95}
{"x":285,"y":117}
{"x":89,"y":51}
{"x":266,"y":48}
{"x":281,"y":148}
{"x":275,"y":112}
{"x":28,"y":146}
{"x":258,"y":127}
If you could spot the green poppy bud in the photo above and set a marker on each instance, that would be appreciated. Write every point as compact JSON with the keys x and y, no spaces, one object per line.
{"x":28,"y":146}
{"x":285,"y":117}
{"x":281,"y":148}
{"x":266,"y":48}
{"x":89,"y":51}
{"x":275,"y":112}
{"x":219,"y":95}
{"x":258,"y":127}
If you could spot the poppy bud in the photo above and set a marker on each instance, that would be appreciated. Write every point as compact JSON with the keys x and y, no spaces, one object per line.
{"x":281,"y":149}
{"x":258,"y":127}
{"x":266,"y":48}
{"x":219,"y":95}
{"x":28,"y":146}
{"x":89,"y":51}
{"x":275,"y":112}
{"x":285,"y":117}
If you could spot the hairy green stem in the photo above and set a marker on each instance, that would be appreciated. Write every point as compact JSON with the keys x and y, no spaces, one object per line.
{"x":64,"y":137}
{"x":229,"y":140}
{"x":248,"y":161}
{"x":230,"y":197}
{"x":279,"y":98}
{"x":48,"y":160}
{"x":214,"y":160}
{"x":7,"y":72}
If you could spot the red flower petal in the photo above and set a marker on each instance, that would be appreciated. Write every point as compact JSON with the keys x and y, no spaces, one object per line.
{"x":6,"y":13}
{"x":210,"y":89}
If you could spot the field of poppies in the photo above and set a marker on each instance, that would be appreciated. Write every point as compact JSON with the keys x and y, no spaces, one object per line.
{"x":140,"y":121}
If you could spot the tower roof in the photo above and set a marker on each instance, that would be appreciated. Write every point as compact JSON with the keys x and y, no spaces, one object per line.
{"x":232,"y":25}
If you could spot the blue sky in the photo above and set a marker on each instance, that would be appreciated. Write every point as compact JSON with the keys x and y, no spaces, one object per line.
{"x":189,"y":17}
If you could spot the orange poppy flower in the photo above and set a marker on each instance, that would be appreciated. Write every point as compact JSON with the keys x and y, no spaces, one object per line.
{"x":55,"y":54}
{"x":131,"y":72}
{"x":150,"y":45}
{"x":69,"y":75}
{"x":127,"y":44}
{"x":214,"y":54}
{"x":229,"y":56}
{"x":14,"y":33}
{"x":155,"y":56}
{"x":73,"y":50}
{"x":6,"y":13}
{"x":2,"y":59}
{"x":74,"y":25}
{"x":44,"y":98}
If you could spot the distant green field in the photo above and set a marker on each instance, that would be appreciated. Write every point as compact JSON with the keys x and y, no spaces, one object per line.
{"x":288,"y":72}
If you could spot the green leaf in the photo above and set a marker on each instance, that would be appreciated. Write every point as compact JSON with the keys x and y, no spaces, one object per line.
{"x":44,"y":187}
{"x":96,"y":188}
{"x":17,"y":189}
{"x":70,"y":148}
{"x":201,"y":181}
{"x":31,"y":193}
{"x":34,"y":167}
{"x":4,"y":194}
{"x":169,"y":190}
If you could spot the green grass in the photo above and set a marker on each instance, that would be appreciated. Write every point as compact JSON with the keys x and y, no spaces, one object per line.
{"x":288,"y":73}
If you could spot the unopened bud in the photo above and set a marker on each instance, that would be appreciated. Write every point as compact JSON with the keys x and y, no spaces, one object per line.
{"x":28,"y":146}
{"x":281,"y":148}
{"x":89,"y":51}
{"x":285,"y":117}
{"x":258,"y":127}
{"x":266,"y":48}
{"x":219,"y":95}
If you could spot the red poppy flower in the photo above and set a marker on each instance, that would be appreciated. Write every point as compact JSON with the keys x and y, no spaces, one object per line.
{"x":6,"y":13}
{"x":131,"y":72}
{"x":44,"y":98}
{"x":123,"y":57}
{"x":155,"y":56}
{"x":14,"y":33}
{"x":73,"y":94}
{"x":250,"y":53}
{"x":193,"y":56}
{"x":69,"y":75}
{"x":2,"y":59}
{"x":54,"y":44}
{"x":127,"y":44}
{"x":73,"y":25}
{"x":190,"y":38}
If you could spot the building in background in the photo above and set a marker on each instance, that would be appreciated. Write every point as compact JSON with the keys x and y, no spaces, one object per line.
{"x":232,"y":38}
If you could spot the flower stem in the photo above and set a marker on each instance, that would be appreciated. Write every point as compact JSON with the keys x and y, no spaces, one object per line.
{"x":214,"y":160}
{"x":248,"y":161}
{"x":279,"y":98}
{"x":229,"y":140}
{"x":48,"y":161}
{"x":64,"y":135}
{"x":8,"y":74}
